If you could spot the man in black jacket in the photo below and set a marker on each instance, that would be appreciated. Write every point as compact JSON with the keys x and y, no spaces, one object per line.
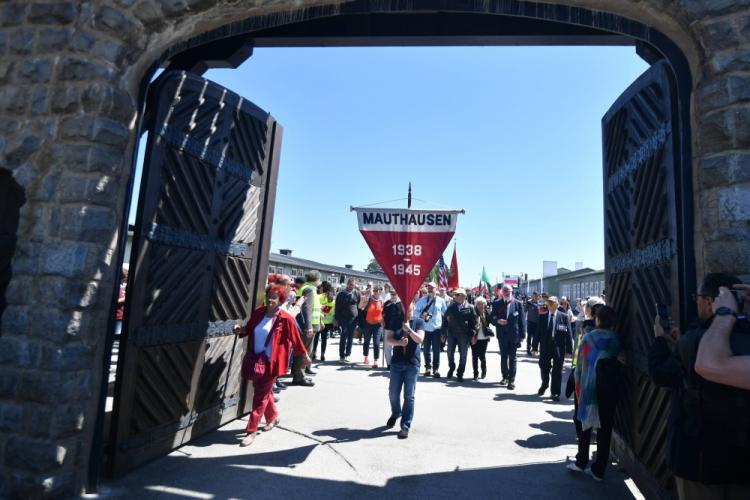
{"x":708,"y":434}
{"x":532,"y":321}
{"x":460,"y":325}
{"x":555,"y":341}
{"x":345,"y":316}
{"x":508,"y":315}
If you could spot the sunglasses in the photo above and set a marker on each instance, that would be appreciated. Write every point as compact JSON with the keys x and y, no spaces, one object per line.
{"x":695,"y":296}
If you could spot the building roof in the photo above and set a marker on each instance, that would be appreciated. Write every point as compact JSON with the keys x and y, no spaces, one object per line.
{"x":277,"y":258}
{"x":580,"y":274}
{"x":567,"y":274}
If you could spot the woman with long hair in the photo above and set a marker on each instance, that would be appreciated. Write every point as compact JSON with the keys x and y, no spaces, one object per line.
{"x":271,"y":330}
{"x":597,"y":387}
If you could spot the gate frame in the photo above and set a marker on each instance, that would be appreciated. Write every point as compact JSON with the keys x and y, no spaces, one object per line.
{"x":229,"y":48}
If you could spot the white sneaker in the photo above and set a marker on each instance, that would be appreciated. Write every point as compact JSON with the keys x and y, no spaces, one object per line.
{"x":571,"y":466}
{"x":591,"y":473}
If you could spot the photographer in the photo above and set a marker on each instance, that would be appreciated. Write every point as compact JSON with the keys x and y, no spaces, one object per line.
{"x":708,"y":443}
{"x":716,"y":361}
{"x":431,"y":309}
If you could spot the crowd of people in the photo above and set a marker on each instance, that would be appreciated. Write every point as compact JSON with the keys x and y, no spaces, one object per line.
{"x":708,"y":443}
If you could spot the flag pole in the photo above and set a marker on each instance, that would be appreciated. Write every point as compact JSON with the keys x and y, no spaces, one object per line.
{"x":408,"y":197}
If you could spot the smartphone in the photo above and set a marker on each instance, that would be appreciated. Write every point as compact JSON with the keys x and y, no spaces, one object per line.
{"x":739,"y":296}
{"x":662,"y":310}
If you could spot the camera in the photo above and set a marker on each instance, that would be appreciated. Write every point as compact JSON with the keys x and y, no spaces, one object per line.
{"x":425,"y":315}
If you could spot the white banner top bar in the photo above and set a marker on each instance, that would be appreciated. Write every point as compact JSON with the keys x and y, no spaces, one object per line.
{"x":406,"y":219}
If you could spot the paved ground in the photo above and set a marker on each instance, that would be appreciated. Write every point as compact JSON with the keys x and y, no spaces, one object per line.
{"x":469,"y":440}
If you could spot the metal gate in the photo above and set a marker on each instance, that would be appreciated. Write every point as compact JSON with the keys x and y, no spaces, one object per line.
{"x":200,"y":256}
{"x":642,"y":251}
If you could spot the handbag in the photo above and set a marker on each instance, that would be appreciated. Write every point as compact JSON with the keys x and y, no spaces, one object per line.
{"x":256,"y":365}
{"x":570,"y":386}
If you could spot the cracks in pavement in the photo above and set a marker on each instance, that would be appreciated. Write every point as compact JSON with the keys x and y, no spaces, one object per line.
{"x":321,"y":442}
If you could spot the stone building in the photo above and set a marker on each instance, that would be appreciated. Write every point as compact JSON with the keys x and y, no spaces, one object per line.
{"x":73,"y":76}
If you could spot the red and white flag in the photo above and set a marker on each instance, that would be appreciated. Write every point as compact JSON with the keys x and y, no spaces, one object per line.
{"x":453,"y":276}
{"x":406,"y":243}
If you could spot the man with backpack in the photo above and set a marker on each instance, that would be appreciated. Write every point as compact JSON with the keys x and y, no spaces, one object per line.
{"x":708,"y":432}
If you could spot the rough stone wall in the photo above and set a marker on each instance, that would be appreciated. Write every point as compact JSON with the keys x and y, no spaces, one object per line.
{"x":69,"y":76}
{"x":721,"y":136}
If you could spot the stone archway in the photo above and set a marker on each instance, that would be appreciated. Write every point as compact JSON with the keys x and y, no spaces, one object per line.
{"x":71,"y":85}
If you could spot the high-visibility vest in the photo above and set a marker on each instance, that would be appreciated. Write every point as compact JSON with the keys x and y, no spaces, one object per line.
{"x":315,"y":318}
{"x":328,"y":308}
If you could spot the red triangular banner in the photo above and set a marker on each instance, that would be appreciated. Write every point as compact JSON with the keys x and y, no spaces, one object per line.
{"x":406,"y":243}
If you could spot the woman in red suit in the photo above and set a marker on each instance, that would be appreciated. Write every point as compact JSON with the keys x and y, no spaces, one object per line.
{"x":271,"y":320}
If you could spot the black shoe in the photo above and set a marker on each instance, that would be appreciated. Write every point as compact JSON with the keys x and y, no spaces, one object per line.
{"x":542,"y":390}
{"x":306,"y":382}
{"x":476,"y":377}
{"x":511,"y":385}
{"x":555,"y":397}
{"x":460,"y":378}
{"x":403,"y":434}
{"x":504,"y":381}
{"x":427,"y":372}
{"x":484,"y":374}
{"x":391,"y":422}
{"x":450,"y":373}
{"x":322,"y":358}
{"x":280,"y":384}
{"x":436,"y":374}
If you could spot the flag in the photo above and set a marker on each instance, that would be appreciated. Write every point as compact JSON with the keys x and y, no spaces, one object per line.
{"x":443,"y":270}
{"x":453,"y":277}
{"x":484,"y":285}
{"x":406,"y":243}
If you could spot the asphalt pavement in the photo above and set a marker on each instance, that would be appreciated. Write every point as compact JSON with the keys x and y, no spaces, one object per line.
{"x":468,"y":440}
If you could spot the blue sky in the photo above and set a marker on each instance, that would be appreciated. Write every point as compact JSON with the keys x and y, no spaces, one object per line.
{"x":510,"y":134}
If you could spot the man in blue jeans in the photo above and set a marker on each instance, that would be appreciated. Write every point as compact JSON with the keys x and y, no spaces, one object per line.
{"x":404,"y":372}
{"x":431,"y":309}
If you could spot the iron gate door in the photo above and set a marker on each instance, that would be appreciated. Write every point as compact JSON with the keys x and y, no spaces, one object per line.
{"x":642,"y":255}
{"x":200,"y":257}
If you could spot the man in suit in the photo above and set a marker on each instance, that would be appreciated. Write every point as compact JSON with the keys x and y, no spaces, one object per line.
{"x":532,"y":321}
{"x":460,"y":325}
{"x":555,"y":341}
{"x":508,"y":315}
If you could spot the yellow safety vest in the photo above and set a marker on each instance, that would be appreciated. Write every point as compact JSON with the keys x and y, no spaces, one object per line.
{"x":315,"y":318}
{"x":330,"y":305}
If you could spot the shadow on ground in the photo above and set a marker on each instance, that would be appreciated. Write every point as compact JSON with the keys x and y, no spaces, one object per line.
{"x":555,"y":433}
{"x":346,"y":435}
{"x":237,"y":477}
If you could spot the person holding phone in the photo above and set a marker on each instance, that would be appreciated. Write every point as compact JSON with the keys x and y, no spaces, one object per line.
{"x":708,"y":446}
{"x":716,"y":361}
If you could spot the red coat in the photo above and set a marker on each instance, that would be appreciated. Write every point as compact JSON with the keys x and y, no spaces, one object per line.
{"x":285,"y":333}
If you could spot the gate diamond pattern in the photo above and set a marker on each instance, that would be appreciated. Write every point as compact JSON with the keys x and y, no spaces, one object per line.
{"x":201,"y":251}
